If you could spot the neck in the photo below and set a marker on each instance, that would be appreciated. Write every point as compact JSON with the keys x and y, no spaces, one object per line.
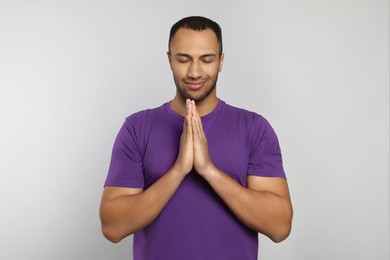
{"x":204,"y":107}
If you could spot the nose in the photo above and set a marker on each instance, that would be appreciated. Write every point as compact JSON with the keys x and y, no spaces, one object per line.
{"x":195,"y":70}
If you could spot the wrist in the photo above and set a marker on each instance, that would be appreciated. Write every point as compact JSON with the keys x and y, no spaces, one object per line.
{"x":209,"y":171}
{"x":178,"y":170}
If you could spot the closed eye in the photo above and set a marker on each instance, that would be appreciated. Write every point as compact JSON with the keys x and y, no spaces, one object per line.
{"x":208,"y":60}
{"x":183,"y":60}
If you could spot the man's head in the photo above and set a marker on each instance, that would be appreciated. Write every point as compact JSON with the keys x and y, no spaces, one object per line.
{"x":195,"y":55}
{"x":197,"y":23}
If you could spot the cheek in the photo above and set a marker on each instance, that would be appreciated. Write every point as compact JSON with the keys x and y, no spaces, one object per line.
{"x":179,"y":71}
{"x":212,"y":71}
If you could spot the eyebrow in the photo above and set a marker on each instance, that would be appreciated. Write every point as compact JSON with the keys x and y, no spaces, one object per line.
{"x":189,"y":56}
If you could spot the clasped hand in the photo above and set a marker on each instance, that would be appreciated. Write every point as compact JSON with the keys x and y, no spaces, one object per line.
{"x":193,"y":152}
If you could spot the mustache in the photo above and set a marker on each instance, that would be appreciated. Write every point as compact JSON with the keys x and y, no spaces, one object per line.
{"x":195,"y":80}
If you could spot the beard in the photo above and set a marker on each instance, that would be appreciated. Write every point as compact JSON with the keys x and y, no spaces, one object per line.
{"x":185,"y":94}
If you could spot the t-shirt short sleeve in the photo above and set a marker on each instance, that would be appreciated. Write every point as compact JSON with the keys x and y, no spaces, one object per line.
{"x":126,"y":161}
{"x":265,"y":154}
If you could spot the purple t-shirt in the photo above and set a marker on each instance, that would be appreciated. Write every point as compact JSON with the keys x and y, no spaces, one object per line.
{"x":195,"y":224}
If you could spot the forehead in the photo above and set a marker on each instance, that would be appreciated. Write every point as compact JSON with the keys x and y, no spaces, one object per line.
{"x":194,"y":42}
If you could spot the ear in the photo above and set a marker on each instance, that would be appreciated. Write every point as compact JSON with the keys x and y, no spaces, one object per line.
{"x":169,"y":58}
{"x":221,"y":62}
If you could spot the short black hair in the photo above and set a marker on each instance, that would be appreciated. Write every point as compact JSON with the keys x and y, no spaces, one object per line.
{"x":197,"y":23}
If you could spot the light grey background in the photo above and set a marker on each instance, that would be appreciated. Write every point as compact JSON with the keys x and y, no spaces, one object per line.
{"x":71,"y":71}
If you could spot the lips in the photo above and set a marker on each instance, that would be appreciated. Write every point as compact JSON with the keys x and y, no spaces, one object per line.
{"x":195,"y":85}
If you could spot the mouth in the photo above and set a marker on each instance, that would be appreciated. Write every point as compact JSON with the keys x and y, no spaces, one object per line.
{"x":195,"y":85}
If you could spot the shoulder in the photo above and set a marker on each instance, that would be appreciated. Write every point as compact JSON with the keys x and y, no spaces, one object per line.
{"x":140,"y":123}
{"x":146,"y":116}
{"x":138,"y":126}
{"x":253,"y":124}
{"x":250,"y":117}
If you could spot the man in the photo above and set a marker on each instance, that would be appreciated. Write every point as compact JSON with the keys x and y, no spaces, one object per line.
{"x":196,"y":178}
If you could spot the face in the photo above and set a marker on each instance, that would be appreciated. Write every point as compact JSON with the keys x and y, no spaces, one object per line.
{"x":195,"y":63}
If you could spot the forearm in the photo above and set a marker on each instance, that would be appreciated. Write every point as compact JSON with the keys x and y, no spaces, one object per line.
{"x":262,"y":211}
{"x":123,"y":215}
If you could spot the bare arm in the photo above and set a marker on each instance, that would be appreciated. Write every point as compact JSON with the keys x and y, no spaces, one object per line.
{"x":264,"y":205}
{"x":124,"y":211}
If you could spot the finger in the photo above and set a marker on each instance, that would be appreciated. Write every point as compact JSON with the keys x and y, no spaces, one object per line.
{"x":196,"y":123}
{"x":189,"y":107}
{"x":194,"y":110}
{"x":186,"y":122}
{"x":188,"y":118}
{"x":195,"y":127}
{"x":198,"y":120}
{"x":193,"y":119}
{"x":185,"y":118}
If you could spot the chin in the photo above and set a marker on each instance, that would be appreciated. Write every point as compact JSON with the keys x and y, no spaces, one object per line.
{"x":204,"y":94}
{"x":197,"y":98}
